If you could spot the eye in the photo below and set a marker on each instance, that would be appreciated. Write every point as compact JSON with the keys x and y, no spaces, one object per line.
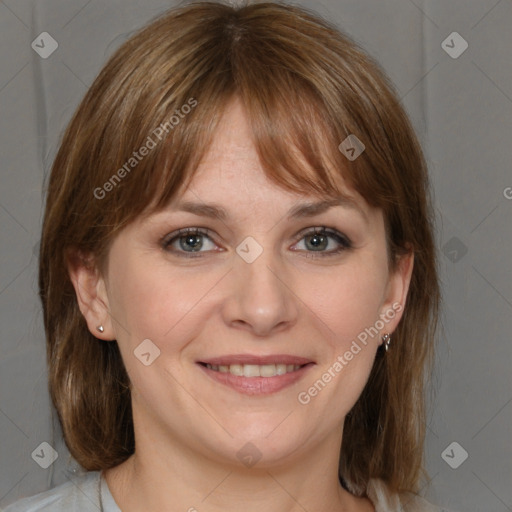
{"x":191,"y":242}
{"x":188,"y":240}
{"x":324,"y":241}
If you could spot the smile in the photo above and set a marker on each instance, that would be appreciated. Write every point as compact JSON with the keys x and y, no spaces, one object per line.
{"x":253,"y":375}
{"x":254,"y":370}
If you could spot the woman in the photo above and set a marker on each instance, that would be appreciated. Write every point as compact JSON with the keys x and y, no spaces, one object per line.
{"x":238,"y":274}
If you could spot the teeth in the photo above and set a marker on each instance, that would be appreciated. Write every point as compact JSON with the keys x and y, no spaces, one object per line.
{"x":236,"y":369}
{"x":254,"y":370}
{"x":281,"y":369}
{"x":251,"y":370}
{"x":267,"y":370}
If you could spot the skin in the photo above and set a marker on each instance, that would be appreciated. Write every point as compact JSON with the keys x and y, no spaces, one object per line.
{"x":290,"y":300}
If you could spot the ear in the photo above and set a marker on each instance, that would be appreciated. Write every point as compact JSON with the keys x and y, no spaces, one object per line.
{"x":91,"y":294}
{"x":396,"y":292}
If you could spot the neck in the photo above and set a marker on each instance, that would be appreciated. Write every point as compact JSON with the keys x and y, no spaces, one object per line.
{"x":166,"y":474}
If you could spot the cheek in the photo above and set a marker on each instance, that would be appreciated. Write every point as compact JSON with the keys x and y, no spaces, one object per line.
{"x":135,"y":299}
{"x":149,"y":299}
{"x":351,"y":310}
{"x":348,"y":301}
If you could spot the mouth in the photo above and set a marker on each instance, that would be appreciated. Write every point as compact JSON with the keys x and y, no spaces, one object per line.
{"x":254,"y":370}
{"x":256,"y":375}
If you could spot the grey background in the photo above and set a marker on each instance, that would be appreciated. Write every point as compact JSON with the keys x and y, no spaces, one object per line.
{"x":462,"y":110}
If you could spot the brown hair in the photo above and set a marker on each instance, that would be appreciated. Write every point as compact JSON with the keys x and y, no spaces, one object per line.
{"x":305,"y":87}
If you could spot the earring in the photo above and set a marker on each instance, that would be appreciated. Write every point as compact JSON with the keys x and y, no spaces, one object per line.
{"x":100,"y":328}
{"x":386,"y":339}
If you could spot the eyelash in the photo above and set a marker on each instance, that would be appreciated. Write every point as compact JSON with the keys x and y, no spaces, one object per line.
{"x":343,"y":241}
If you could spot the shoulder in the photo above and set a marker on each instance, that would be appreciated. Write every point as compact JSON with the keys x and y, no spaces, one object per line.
{"x":80,"y":493}
{"x":385,"y":501}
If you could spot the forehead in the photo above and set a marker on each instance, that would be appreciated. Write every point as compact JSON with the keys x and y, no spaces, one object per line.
{"x":231,"y":169}
{"x":232,"y":151}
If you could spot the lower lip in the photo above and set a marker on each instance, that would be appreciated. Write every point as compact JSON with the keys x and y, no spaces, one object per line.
{"x":257,"y":385}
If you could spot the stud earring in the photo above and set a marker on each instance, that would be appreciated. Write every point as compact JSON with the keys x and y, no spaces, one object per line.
{"x":386,"y":339}
{"x":100,"y":328}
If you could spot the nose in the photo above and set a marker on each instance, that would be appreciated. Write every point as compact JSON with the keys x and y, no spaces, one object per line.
{"x":260,"y":300}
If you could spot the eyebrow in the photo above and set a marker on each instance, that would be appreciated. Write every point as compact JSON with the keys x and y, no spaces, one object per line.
{"x":303,"y":210}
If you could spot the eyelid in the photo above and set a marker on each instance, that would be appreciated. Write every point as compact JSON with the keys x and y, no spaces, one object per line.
{"x":185,"y":231}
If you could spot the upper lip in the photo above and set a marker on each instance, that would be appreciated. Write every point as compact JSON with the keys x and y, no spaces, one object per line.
{"x":257,"y":360}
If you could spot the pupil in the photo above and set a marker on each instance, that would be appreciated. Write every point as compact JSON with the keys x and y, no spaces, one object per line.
{"x":193,"y":242}
{"x":318,"y":241}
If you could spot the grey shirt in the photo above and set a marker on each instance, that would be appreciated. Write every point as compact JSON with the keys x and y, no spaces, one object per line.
{"x":89,"y":492}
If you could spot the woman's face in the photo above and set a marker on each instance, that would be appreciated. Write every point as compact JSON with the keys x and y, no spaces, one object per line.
{"x":257,"y":322}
